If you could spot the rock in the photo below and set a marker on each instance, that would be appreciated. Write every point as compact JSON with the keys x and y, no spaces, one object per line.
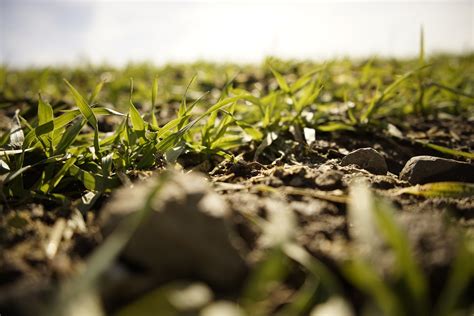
{"x":368,"y":159}
{"x":187,"y":234}
{"x":426,"y":169}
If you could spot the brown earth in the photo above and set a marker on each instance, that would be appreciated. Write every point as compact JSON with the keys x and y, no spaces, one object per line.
{"x":307,"y":179}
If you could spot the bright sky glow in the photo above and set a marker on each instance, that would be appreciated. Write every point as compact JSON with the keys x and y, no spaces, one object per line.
{"x":43,"y":32}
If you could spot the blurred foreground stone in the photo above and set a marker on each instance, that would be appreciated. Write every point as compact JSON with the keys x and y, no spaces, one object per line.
{"x":188,"y":233}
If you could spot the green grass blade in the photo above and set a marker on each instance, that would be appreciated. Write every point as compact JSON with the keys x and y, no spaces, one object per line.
{"x":439,"y":189}
{"x":280,"y":80}
{"x":448,"y":151}
{"x":58,"y":123}
{"x":227,"y":142}
{"x":83,"y":106}
{"x":96,"y":92}
{"x":87,"y":112}
{"x":154,"y":93}
{"x":45,"y":111}
{"x":137,"y":121}
{"x":452,"y":90}
{"x":170,"y":125}
{"x":44,"y":131}
{"x":305,"y":79}
{"x":335,"y":126}
{"x":53,"y":182}
{"x":378,"y":101}
{"x":93,"y":182}
{"x":69,"y":137}
{"x":14,"y":174}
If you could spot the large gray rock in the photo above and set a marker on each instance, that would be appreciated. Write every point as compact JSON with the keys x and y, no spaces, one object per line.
{"x":368,"y":159}
{"x":425,"y":169}
{"x":187,"y":234}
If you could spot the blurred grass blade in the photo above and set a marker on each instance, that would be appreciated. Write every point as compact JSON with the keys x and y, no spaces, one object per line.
{"x":457,"y":190}
{"x":280,"y":80}
{"x":156,"y":302}
{"x":302,"y":300}
{"x":371,"y":218}
{"x":104,"y":255}
{"x":365,"y":278}
{"x":264,"y":279}
{"x":335,"y":126}
{"x":462,"y":272}
{"x":448,"y":151}
{"x":377,"y":101}
{"x":310,"y":94}
{"x":364,"y":118}
{"x":452,"y":90}
{"x":227,"y":142}
{"x":305,"y":79}
{"x":398,"y":240}
{"x":326,"y":278}
{"x":96,"y":92}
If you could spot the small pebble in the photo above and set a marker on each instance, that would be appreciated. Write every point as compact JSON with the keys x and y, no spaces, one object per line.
{"x":368,"y":159}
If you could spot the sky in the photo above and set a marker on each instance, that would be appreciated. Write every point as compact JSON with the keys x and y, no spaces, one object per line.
{"x":52,"y":32}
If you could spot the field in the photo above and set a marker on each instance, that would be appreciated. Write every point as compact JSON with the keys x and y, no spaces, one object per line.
{"x":222,"y":189}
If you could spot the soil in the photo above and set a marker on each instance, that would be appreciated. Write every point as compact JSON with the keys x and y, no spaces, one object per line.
{"x":307,"y":179}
